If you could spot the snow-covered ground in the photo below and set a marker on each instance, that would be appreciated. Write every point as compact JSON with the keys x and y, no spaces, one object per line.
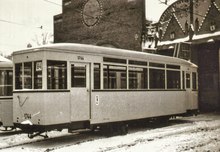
{"x":200,"y":133}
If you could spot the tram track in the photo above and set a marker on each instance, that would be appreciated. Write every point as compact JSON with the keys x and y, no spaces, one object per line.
{"x":146,"y":134}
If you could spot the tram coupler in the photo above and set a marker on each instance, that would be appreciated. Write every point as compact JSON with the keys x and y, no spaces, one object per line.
{"x":32,"y":135}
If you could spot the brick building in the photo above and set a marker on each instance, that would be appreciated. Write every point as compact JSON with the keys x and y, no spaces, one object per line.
{"x":192,"y":27}
{"x":113,"y":23}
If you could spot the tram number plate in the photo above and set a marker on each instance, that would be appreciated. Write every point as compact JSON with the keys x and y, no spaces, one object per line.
{"x":27,"y":116}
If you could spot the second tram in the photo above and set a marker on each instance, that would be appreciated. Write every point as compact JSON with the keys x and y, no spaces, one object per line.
{"x":6,"y":117}
{"x":78,"y":86}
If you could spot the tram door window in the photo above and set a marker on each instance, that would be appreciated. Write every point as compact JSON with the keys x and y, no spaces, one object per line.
{"x":78,"y":75}
{"x":115,"y":77}
{"x":96,"y":76}
{"x":56,"y":75}
{"x":188,"y":81}
{"x":6,"y":82}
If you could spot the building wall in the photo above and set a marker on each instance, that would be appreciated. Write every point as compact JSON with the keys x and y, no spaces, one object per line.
{"x":115,"y":23}
{"x":205,"y":43}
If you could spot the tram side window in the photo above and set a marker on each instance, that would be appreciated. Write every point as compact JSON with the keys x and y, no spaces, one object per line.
{"x":115,"y":77}
{"x":194,"y":81}
{"x":78,"y":73}
{"x":157,"y":78}
{"x":28,"y":75}
{"x":96,"y":76}
{"x":6,"y":82}
{"x":137,"y":78}
{"x":187,"y":80}
{"x":173,"y":79}
{"x":38,"y":75}
{"x":56,"y":75}
{"x":18,"y":76}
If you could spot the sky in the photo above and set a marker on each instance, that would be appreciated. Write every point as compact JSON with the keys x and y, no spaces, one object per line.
{"x":20,"y":21}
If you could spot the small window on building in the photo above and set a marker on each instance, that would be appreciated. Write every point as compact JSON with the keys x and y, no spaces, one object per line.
{"x":115,"y":77}
{"x":172,"y":35}
{"x":138,"y":78}
{"x":96,"y":76}
{"x":173,"y":79}
{"x":56,"y":75}
{"x":157,"y":79}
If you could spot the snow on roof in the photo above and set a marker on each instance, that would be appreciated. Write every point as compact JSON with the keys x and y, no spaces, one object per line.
{"x":186,"y":39}
{"x":3,"y":59}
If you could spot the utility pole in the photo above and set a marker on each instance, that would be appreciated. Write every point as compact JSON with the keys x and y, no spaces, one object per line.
{"x":191,"y":29}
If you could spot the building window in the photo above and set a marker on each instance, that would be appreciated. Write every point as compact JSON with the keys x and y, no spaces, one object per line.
{"x":172,"y":35}
{"x":212,"y":26}
{"x":56,"y":75}
{"x":115,"y":77}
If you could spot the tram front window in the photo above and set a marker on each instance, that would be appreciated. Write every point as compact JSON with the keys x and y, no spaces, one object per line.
{"x":5,"y":82}
{"x":27,"y":75}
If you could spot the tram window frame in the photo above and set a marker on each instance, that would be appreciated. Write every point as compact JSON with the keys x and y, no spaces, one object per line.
{"x":183,"y":79}
{"x":194,"y":81}
{"x":6,"y":81}
{"x":18,"y":75}
{"x":138,"y":77}
{"x":188,"y":81}
{"x":173,"y":79}
{"x":28,"y":75}
{"x":114,"y":77}
{"x":114,"y":60}
{"x":38,"y":83}
{"x":78,"y":73}
{"x":54,"y":70}
{"x":153,"y":84}
{"x":97,"y":75}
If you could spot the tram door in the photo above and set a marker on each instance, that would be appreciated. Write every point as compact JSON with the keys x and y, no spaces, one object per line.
{"x":80,"y":94}
{"x":192,"y":95}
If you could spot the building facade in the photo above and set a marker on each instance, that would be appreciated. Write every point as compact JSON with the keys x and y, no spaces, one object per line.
{"x":112,"y":23}
{"x":192,"y":28}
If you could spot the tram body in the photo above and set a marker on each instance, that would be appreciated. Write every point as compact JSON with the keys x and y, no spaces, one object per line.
{"x":77,"y":86}
{"x":6,"y":117}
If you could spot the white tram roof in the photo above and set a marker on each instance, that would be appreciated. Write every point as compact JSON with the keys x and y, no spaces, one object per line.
{"x":104,"y":51}
{"x":5,"y":62}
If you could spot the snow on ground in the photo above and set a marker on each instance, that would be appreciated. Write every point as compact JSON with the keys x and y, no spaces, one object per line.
{"x":201,"y":133}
